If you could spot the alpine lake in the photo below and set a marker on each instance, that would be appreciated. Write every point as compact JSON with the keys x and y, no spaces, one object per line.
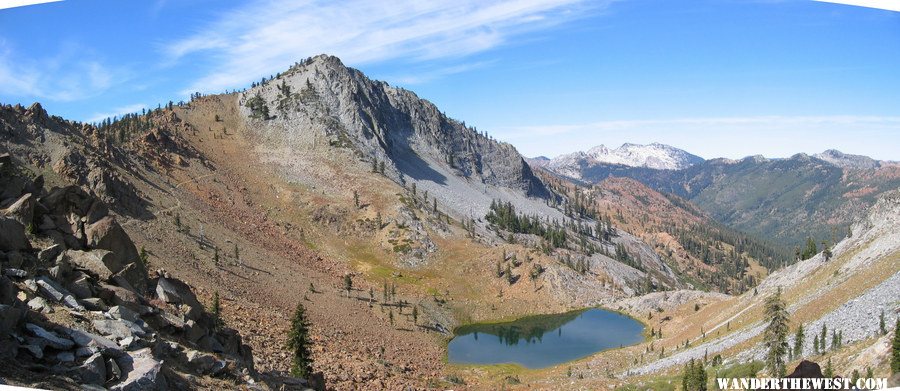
{"x":542,"y":341}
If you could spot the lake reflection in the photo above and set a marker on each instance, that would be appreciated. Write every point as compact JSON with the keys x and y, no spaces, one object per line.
{"x":544,"y":340}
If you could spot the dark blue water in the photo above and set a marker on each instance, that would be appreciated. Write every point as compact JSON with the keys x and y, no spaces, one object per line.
{"x":544,"y":340}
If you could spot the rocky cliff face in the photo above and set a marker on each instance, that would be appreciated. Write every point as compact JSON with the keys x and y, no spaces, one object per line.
{"x":321,"y":101}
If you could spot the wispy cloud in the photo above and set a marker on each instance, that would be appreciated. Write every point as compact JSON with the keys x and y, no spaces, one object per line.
{"x":266,"y":36}
{"x":67,"y":76}
{"x":429,"y":74}
{"x":117,"y":112}
{"x":22,"y":3}
{"x":889,"y":5}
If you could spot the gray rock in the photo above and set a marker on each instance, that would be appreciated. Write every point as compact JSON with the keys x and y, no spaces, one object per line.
{"x":22,"y":210}
{"x":89,"y":340}
{"x":107,"y":234}
{"x":193,"y":332}
{"x":93,"y":370}
{"x":118,"y":329}
{"x":143,"y":372}
{"x":8,"y":291}
{"x":12,"y":235}
{"x":204,"y":363}
{"x":94,"y":304}
{"x":53,"y":340}
{"x":120,"y":296}
{"x":40,"y":304}
{"x":34,"y":350}
{"x":210,"y":343}
{"x":50,"y":253}
{"x":15,"y":273}
{"x":123,"y":313}
{"x":9,"y":317}
{"x":86,"y":351}
{"x":100,"y":263}
{"x":81,"y":287}
{"x":65,"y":357}
{"x":170,"y":319}
{"x":15,"y":259}
{"x":174,"y":291}
{"x":114,"y":372}
{"x":52,"y":290}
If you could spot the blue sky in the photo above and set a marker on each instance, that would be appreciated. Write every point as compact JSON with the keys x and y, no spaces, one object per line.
{"x":715,"y":77}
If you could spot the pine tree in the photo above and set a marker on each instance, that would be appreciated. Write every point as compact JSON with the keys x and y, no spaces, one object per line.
{"x":216,"y":312}
{"x":816,"y":344}
{"x":143,"y":256}
{"x":775,"y":334}
{"x":829,"y":370}
{"x":299,"y":343}
{"x":881,"y":325}
{"x":895,"y":349}
{"x":348,"y":283}
{"x":415,"y":315}
{"x":798,"y":341}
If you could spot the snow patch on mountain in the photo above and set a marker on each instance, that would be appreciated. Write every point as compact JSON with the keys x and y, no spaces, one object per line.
{"x":656,"y":156}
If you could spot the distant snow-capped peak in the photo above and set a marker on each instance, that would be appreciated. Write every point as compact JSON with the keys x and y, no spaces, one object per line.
{"x":657,"y":156}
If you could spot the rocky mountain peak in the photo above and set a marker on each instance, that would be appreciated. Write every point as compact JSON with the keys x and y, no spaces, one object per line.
{"x":320,"y":99}
{"x":844,"y":160}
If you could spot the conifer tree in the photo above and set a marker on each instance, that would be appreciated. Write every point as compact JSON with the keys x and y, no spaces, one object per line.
{"x":881,"y":325}
{"x":829,"y":370}
{"x":299,"y":343}
{"x":798,"y":341}
{"x":895,"y":349}
{"x":775,"y":334}
{"x":348,"y":283}
{"x":216,"y":312}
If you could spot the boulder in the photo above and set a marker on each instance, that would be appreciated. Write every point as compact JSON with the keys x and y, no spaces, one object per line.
{"x":50,"y":253}
{"x":118,"y":329}
{"x":210,"y":343}
{"x":174,"y":291}
{"x":52,"y":340}
{"x":12,"y":235}
{"x":81,"y":287}
{"x":142,"y":372}
{"x":107,"y":234}
{"x":14,"y":259}
{"x":37,"y":351}
{"x":8,"y":291}
{"x":101,"y":263}
{"x":120,"y":296}
{"x":15,"y":273}
{"x":65,"y":357}
{"x":123,"y":313}
{"x":69,"y":199}
{"x":39,"y":304}
{"x":93,"y":370}
{"x":94,"y":304}
{"x":22,"y":210}
{"x":9,"y":317}
{"x":51,"y":290}
{"x":93,"y":341}
{"x":204,"y":363}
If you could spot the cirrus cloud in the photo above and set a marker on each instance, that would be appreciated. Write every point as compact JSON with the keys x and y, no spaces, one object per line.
{"x":266,"y":36}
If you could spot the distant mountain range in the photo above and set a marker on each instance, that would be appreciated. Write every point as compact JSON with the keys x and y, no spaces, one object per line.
{"x":784,"y":199}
